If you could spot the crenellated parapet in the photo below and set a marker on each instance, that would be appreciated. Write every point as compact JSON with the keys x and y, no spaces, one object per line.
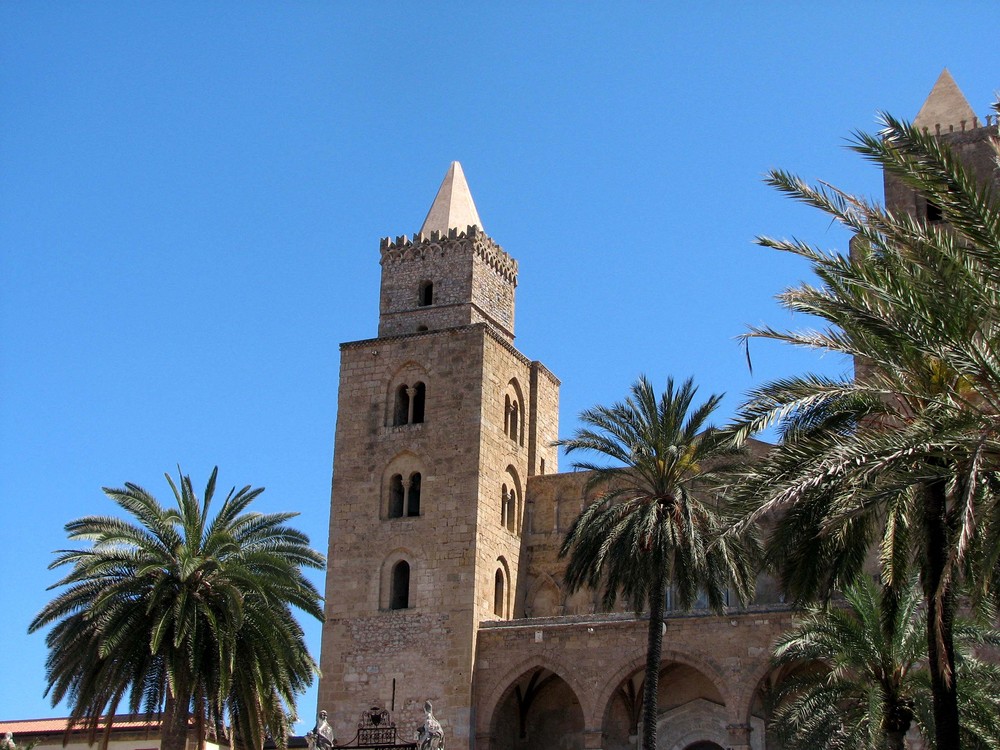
{"x":473,"y":241}
{"x":962,"y":126}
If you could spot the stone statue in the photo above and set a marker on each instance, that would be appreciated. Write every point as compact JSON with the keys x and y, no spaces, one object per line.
{"x":321,"y":736}
{"x":430,"y":736}
{"x":7,"y":743}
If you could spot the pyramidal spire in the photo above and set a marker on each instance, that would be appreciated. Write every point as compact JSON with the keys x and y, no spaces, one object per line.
{"x":946,"y":106}
{"x":453,"y":207}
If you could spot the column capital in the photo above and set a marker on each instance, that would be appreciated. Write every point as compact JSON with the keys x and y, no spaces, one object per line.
{"x":593,"y":739}
{"x":739,"y":735}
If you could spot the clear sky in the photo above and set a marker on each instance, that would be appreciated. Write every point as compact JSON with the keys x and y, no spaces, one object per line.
{"x":192,"y":196}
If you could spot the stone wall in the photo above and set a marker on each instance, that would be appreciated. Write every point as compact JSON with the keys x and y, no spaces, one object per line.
{"x":472,"y":456}
{"x":473,"y":282}
{"x":712,"y":666}
{"x":373,"y":655}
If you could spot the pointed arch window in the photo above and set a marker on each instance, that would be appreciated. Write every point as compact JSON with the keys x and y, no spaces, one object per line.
{"x":413,"y":495}
{"x":404,"y":495}
{"x":499,"y":593}
{"x":510,"y":502}
{"x":399,"y":595}
{"x":401,"y":407}
{"x":397,"y":496}
{"x":511,"y":520}
{"x":419,"y":392}
{"x":409,"y":403}
{"x":513,"y":413}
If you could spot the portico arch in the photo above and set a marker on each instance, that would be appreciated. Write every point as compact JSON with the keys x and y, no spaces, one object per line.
{"x":538,"y":711}
{"x":506,"y":684}
{"x":696,"y":683}
{"x":637,"y":663}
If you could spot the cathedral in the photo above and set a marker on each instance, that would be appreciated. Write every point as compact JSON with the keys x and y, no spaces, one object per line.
{"x":448,"y":511}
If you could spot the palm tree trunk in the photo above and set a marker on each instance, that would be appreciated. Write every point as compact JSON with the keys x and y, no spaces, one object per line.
{"x":654,"y":645}
{"x":173,"y":730}
{"x":940,"y":618}
{"x":898,"y":718}
{"x":895,"y":740}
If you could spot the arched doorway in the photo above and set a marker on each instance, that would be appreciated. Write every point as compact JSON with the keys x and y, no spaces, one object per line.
{"x":539,"y":711}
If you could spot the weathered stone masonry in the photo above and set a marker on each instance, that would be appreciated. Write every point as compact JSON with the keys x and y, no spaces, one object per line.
{"x":447,"y":513}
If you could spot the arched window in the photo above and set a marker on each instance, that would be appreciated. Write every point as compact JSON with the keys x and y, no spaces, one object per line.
{"x":396,"y":495}
{"x":498,"y":593}
{"x":419,"y":390}
{"x":402,"y":487}
{"x":511,"y":502}
{"x":401,"y":410}
{"x":425,"y":293}
{"x":513,"y":412}
{"x":511,"y":523}
{"x":413,"y":495}
{"x":408,"y":403}
{"x":399,"y":596}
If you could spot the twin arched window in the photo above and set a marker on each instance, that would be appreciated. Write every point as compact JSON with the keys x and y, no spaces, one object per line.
{"x":513,"y":412}
{"x":408,"y":404}
{"x":508,"y":508}
{"x":510,"y":502}
{"x":404,"y":496}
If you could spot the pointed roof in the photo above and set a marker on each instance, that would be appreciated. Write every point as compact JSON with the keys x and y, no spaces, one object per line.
{"x":946,"y":106}
{"x":453,"y":207}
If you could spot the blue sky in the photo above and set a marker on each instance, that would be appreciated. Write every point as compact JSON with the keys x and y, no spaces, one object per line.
{"x":193,"y":195}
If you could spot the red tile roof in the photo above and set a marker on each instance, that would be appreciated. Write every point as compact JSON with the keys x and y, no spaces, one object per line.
{"x":42,"y":726}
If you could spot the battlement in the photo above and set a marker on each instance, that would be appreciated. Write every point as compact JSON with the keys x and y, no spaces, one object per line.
{"x":472,"y":241}
{"x":939,"y":129}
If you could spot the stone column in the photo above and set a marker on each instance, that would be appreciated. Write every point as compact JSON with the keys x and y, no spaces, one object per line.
{"x":411,"y":392}
{"x":593,"y":739}
{"x":739,"y":736}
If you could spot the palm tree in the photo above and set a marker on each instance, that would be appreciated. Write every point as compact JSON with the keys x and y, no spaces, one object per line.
{"x":654,"y":519}
{"x":182,"y":615}
{"x":904,"y":456}
{"x":861,"y":679}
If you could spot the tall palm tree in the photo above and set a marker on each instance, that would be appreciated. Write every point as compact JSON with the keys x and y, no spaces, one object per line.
{"x":862,"y":680}
{"x":182,"y":615}
{"x":902,"y":457}
{"x":655,"y":516}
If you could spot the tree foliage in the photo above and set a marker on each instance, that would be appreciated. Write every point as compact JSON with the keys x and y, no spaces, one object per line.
{"x":903,"y":457}
{"x":173,"y":612}
{"x":655,"y":515}
{"x":859,"y":677}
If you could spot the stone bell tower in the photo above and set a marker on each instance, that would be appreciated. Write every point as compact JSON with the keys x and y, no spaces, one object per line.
{"x":440,"y":421}
{"x":948,"y":115}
